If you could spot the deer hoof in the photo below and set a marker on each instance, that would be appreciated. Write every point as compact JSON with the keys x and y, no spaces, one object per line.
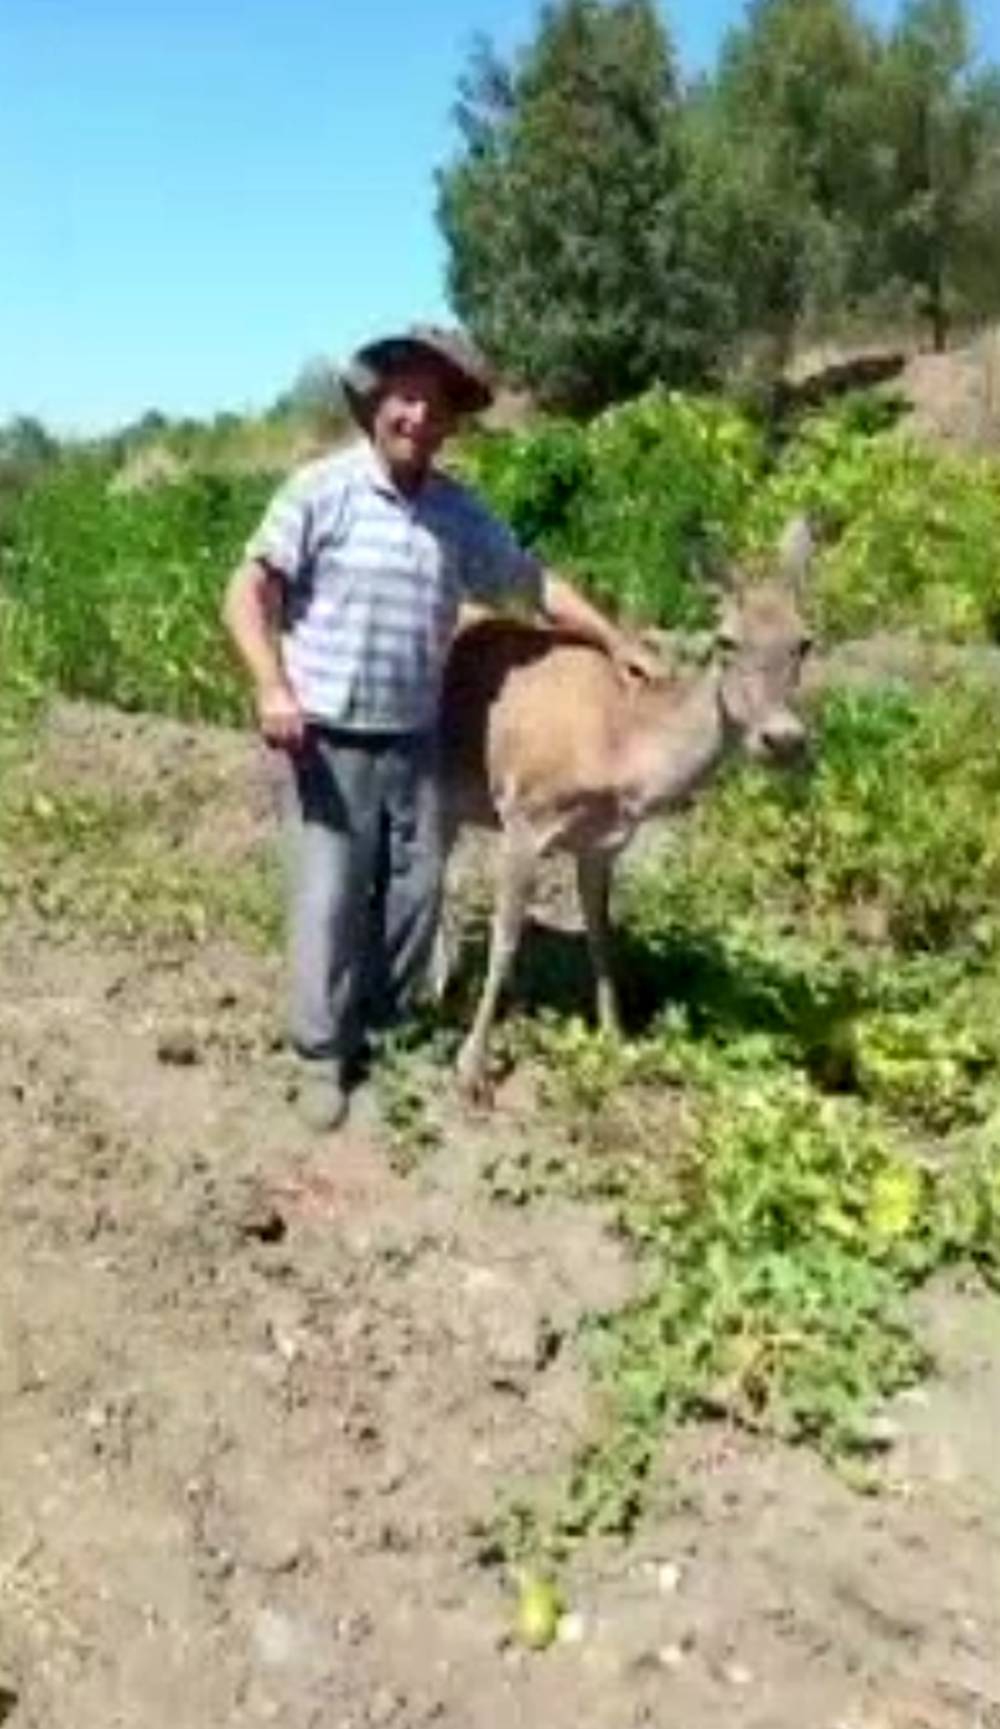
{"x":473,"y":1081}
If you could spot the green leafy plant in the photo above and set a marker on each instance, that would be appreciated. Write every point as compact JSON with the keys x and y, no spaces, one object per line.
{"x":114,"y":594}
{"x":805,"y":1124}
{"x":107,"y":863}
{"x":117,"y":593}
{"x":631,"y":501}
{"x":913,"y":530}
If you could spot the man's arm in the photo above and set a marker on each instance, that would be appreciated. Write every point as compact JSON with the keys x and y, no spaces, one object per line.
{"x":565,"y":606}
{"x":499,"y":572}
{"x":249,"y":614}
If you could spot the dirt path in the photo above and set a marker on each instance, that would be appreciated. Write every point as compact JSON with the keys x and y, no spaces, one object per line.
{"x":257,"y":1391}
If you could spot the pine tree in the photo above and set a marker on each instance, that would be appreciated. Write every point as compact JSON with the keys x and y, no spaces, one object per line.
{"x":565,"y":212}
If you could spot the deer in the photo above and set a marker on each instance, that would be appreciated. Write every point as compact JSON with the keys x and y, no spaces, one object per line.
{"x":545,"y":740}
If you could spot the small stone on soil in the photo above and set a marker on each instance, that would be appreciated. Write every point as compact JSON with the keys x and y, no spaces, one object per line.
{"x":355,"y":1629}
{"x":882,"y":1433}
{"x":261,"y":1222}
{"x":178,"y":1049}
{"x":274,"y":1637}
{"x":385,"y":1708}
{"x":572,"y":1630}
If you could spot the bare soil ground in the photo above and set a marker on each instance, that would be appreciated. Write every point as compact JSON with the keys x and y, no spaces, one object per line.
{"x":954,"y":397}
{"x":257,"y":1389}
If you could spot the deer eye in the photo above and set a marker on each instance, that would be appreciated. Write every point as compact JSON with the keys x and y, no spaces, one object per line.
{"x":806,"y":646}
{"x":727,"y":644}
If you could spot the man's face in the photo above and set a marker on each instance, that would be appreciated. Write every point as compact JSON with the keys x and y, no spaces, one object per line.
{"x":414,"y":416}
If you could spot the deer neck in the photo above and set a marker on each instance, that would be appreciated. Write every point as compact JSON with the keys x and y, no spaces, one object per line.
{"x":681,"y":737}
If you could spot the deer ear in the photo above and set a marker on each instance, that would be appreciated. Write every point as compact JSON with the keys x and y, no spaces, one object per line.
{"x":795,"y":552}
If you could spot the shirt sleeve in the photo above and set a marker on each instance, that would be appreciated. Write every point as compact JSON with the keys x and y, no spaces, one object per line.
{"x":283,"y":537}
{"x":495,"y":566}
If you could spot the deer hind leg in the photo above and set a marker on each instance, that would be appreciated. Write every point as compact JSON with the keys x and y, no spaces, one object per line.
{"x":593,"y":881}
{"x":517,"y":864}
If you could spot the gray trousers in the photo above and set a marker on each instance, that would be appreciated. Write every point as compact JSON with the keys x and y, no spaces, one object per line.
{"x":362,"y":830}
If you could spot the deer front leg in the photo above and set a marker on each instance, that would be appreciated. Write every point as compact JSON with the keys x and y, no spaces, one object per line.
{"x":593,"y":881}
{"x":515,"y":880}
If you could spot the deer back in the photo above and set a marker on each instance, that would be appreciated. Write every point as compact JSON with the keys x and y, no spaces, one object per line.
{"x":528,"y":714}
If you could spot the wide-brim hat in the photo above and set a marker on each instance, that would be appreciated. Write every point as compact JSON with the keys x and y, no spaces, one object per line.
{"x":466,"y":374}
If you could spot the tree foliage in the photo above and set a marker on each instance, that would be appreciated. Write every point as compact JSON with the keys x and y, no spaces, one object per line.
{"x":940,"y":119}
{"x":792,"y":100}
{"x":608,"y":228}
{"x":566,"y":213}
{"x":26,"y":449}
{"x":315,"y":395}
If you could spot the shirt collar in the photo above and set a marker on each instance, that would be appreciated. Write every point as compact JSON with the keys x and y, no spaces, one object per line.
{"x":380,"y":480}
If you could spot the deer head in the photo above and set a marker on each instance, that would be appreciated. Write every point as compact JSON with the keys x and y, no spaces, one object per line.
{"x":761,"y":646}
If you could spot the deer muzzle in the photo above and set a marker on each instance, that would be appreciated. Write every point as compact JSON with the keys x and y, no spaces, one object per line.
{"x":781,"y":738}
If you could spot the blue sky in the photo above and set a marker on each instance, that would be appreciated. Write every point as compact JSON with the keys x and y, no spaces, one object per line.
{"x":198,"y":195}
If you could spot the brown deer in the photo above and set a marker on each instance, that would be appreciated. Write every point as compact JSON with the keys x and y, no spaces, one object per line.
{"x":544,"y":739}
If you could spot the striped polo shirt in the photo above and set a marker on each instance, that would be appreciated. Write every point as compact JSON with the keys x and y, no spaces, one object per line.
{"x":373,"y":580}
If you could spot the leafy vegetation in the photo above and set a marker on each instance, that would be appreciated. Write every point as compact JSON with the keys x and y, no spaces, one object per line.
{"x":633,"y":500}
{"x":114,"y":594}
{"x":809,"y":1125}
{"x":113,"y":862}
{"x":912,"y":530}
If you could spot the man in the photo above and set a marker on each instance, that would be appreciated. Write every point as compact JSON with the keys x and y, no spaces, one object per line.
{"x":342,"y":612}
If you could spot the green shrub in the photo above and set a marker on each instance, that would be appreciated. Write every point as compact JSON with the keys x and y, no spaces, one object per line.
{"x":671,"y":475}
{"x":915,"y":532}
{"x":533,"y":479}
{"x":111,"y":863}
{"x":628,"y":502}
{"x":806,"y":1122}
{"x":23,"y":660}
{"x":123,"y":589}
{"x":896,"y":830}
{"x":118,"y":591}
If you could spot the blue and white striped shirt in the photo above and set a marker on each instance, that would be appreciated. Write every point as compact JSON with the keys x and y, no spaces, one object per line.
{"x":373,"y":582}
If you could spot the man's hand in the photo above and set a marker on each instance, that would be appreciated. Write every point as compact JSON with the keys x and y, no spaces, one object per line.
{"x":279,"y":716}
{"x":248,"y":613}
{"x":564,"y":605}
